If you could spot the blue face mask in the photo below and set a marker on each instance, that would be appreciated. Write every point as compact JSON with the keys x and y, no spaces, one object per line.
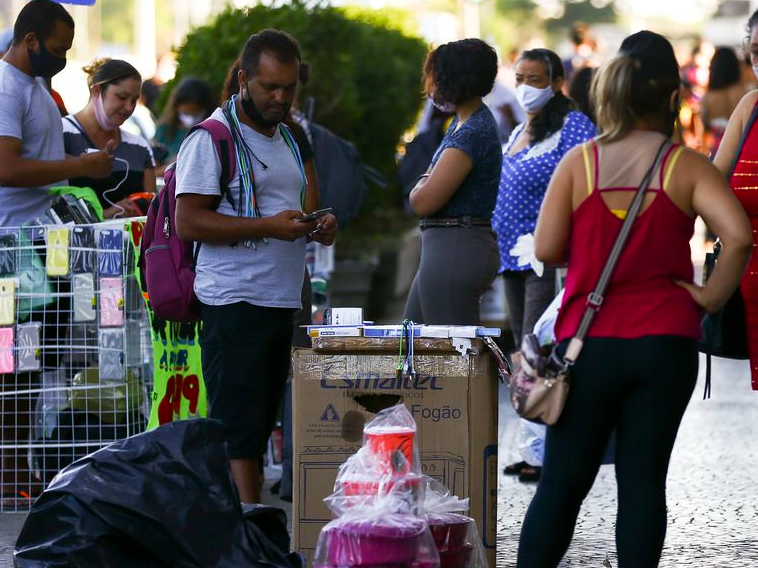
{"x":45,"y":64}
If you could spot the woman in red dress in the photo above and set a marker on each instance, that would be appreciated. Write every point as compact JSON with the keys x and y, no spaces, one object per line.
{"x":737,"y":157}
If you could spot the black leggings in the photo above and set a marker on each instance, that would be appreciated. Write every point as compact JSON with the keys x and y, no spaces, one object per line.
{"x":641,"y":388}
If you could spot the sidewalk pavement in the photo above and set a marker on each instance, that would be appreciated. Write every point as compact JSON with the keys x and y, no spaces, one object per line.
{"x":712,"y":485}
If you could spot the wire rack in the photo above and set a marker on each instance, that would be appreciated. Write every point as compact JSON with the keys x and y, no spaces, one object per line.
{"x":75,"y":351}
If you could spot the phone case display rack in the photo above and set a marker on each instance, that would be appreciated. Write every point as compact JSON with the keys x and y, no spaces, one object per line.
{"x":75,"y":351}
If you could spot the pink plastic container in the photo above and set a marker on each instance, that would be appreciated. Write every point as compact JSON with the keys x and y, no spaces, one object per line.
{"x":392,"y":540}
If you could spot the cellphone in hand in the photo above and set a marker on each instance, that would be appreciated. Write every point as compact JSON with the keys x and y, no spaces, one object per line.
{"x":315,"y":215}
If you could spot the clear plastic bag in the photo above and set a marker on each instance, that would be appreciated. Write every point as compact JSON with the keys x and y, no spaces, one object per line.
{"x":391,"y":436}
{"x":531,"y":442}
{"x":455,"y":535}
{"x":375,"y":501}
{"x":376,"y":535}
{"x":364,"y":479}
{"x":544,"y":329}
{"x":387,"y":462}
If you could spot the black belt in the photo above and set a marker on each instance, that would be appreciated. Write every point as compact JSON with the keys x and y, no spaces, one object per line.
{"x":467,"y":221}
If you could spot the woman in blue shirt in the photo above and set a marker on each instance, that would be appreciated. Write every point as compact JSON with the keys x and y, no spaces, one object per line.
{"x":456,"y":196}
{"x":551,"y":129}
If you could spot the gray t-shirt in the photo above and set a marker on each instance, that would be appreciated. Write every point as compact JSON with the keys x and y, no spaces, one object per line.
{"x":28,"y":112}
{"x":270,"y":274}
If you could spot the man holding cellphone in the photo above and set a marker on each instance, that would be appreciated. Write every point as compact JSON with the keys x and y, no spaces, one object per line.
{"x":251,"y":265}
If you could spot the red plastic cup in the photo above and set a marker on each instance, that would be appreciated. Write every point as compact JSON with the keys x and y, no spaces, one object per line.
{"x":450,"y":531}
{"x":389,"y":443}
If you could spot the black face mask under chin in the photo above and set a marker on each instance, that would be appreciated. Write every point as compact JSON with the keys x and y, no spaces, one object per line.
{"x":248,"y":106}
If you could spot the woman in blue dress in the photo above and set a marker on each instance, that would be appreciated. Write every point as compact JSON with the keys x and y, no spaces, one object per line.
{"x":551,"y":129}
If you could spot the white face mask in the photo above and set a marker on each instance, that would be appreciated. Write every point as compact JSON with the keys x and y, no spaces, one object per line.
{"x":532,"y":99}
{"x":755,"y":71}
{"x":189,"y":120}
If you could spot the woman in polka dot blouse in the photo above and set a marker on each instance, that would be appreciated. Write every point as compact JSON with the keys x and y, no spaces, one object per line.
{"x":551,"y":129}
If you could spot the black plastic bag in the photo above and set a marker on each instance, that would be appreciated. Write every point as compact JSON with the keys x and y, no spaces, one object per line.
{"x":160,"y":499}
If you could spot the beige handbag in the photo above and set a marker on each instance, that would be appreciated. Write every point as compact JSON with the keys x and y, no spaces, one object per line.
{"x":540,"y":385}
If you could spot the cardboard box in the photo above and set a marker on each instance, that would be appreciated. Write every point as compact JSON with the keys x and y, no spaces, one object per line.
{"x":453,"y":399}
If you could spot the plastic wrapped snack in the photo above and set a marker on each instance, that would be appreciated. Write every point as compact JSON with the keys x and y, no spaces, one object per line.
{"x":455,"y":535}
{"x":375,"y":535}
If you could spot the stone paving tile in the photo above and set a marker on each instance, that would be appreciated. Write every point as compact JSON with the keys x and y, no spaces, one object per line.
{"x":712,"y":486}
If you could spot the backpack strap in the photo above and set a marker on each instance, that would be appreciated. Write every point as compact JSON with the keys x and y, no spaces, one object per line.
{"x":227,"y":155}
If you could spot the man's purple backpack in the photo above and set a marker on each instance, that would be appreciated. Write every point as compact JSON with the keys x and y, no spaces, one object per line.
{"x":167,"y":263}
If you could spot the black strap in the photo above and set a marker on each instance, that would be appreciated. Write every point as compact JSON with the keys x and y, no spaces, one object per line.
{"x":595,"y":299}
{"x":708,"y":266}
{"x":225,"y":178}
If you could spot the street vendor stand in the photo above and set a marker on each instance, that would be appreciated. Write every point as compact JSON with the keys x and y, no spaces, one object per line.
{"x":450,"y":388}
{"x":75,"y":350}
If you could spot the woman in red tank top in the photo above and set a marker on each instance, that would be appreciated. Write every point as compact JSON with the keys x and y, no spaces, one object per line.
{"x":638,"y":367}
{"x":737,"y":158}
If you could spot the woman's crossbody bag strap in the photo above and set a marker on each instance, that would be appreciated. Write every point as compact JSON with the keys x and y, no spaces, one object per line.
{"x":595,"y":299}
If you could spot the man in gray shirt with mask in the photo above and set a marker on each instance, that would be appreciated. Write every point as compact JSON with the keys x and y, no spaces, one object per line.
{"x":31,"y":135}
{"x":251,"y":264}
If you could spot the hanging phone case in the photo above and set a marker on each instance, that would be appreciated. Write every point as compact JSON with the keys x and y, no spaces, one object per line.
{"x":83,"y":287}
{"x":6,"y":350}
{"x":111,"y":302}
{"x":82,"y":250}
{"x":110,"y":245}
{"x":57,"y":252}
{"x":8,"y":255}
{"x":111,"y":354}
{"x":7,"y":301}
{"x":28,"y":346}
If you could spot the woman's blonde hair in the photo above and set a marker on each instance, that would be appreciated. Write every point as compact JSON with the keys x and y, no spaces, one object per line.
{"x":621,"y":95}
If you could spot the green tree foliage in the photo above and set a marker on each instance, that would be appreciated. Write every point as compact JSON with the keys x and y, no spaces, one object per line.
{"x":365,"y":69}
{"x":117,"y":17}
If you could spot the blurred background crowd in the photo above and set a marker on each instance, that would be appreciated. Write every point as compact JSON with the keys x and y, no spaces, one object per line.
{"x":363,"y":82}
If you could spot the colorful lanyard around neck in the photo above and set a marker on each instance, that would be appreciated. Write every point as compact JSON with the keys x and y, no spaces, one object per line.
{"x":246,"y":157}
